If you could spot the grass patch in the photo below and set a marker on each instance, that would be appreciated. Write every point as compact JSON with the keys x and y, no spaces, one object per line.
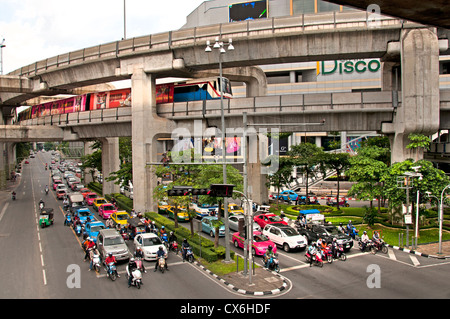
{"x":220,"y":267}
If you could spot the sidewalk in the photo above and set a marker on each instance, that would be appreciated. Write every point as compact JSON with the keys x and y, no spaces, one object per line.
{"x":264,"y":282}
{"x":430,"y":250}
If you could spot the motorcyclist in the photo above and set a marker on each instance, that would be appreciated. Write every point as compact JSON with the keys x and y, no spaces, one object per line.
{"x":159,"y":254}
{"x":268,"y":256}
{"x":130,"y":268}
{"x":341,"y":228}
{"x":46,"y":189}
{"x":334,"y":246}
{"x":91,"y":257}
{"x":90,"y":246}
{"x":13,"y":195}
{"x":364,"y":240}
{"x":110,"y":259}
{"x":162,"y":231}
{"x":312,"y":250}
{"x":184,"y":247}
{"x":140,"y":254}
{"x":172,"y":238}
{"x":41,"y":204}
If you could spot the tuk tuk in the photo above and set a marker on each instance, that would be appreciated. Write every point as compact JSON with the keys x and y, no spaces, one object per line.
{"x":136,"y":226}
{"x":46,"y":217}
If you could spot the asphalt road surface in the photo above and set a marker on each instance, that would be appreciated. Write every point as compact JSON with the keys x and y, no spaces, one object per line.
{"x":48,"y":263}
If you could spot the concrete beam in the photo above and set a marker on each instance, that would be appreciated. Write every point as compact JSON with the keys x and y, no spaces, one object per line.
{"x":15,"y":133}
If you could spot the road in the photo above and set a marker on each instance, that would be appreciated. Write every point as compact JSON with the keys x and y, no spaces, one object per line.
{"x":48,"y":263}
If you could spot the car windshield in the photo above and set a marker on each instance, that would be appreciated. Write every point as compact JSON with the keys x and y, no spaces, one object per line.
{"x":97,"y":228}
{"x":108,"y":207}
{"x":92,"y":196}
{"x":122,"y":217}
{"x":84,"y":213}
{"x":116,"y":240}
{"x":274,"y":218}
{"x":290,"y":232}
{"x":101,"y":201}
{"x":260,"y":238}
{"x":332,"y":230}
{"x":152,"y":241}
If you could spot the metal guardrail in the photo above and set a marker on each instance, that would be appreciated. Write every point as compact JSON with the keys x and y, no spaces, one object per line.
{"x":198,"y":36}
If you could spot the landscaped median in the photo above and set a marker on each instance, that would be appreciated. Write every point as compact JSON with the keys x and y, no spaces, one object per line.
{"x":201,"y":246}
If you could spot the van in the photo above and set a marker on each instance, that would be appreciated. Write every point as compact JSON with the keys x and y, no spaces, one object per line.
{"x":109,"y":241}
{"x":128,"y":191}
{"x":76,"y":199}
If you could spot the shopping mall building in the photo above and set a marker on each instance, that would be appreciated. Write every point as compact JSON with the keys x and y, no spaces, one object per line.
{"x":307,"y":77}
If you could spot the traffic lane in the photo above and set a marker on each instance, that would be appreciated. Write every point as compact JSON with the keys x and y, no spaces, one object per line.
{"x":21,"y":272}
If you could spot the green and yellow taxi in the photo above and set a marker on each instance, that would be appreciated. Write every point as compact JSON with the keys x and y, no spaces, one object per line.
{"x":182,"y":214}
{"x":162,"y":207}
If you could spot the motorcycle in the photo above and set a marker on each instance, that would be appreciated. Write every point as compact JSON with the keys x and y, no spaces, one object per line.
{"x":41,"y":205}
{"x":111,"y":271}
{"x":339,"y":253}
{"x":68,"y":220}
{"x":78,"y":230}
{"x":96,"y":262}
{"x":137,"y":278}
{"x":189,"y":255}
{"x":174,"y":247}
{"x":353,"y":233}
{"x":316,"y":259}
{"x":326,"y":253}
{"x":273,"y":263}
{"x":380,"y":245}
{"x":162,"y":263}
{"x":46,"y":190}
{"x":165,"y":240}
{"x":369,"y":246}
{"x":13,"y":196}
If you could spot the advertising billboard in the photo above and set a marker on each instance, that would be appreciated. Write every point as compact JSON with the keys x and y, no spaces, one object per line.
{"x":250,"y":10}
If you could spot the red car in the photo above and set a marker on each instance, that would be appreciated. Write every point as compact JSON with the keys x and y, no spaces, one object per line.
{"x":106,"y":210}
{"x":89,"y":198}
{"x":269,"y":218}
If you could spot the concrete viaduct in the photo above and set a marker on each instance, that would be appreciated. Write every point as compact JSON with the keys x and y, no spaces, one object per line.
{"x":418,"y":106}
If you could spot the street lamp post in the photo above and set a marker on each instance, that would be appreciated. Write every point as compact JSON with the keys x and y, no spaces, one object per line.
{"x":2,"y":45}
{"x":220,"y":46}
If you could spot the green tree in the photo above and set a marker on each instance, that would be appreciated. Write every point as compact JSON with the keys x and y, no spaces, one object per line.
{"x":338,"y":162}
{"x":93,"y":161}
{"x":419,"y":142}
{"x":306,"y":156}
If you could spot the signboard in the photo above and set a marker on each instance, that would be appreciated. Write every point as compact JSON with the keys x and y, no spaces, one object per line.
{"x":250,"y":10}
{"x":408,"y":219}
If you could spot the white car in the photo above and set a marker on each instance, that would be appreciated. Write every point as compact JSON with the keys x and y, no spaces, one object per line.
{"x":285,"y":236}
{"x":149,"y":243}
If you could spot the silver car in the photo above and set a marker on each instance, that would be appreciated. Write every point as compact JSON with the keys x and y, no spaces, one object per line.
{"x":110,"y":241}
{"x":233,"y":222}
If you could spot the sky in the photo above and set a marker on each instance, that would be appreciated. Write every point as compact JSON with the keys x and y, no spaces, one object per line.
{"x":38,"y":29}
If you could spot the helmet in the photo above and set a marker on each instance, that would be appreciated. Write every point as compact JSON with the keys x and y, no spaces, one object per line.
{"x":131,"y":259}
{"x":270,"y":247}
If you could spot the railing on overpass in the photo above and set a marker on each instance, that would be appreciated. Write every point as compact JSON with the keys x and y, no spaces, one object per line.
{"x":383,"y":101}
{"x":199,"y":35}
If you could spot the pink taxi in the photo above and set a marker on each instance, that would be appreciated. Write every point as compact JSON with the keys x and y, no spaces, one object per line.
{"x":260,"y":243}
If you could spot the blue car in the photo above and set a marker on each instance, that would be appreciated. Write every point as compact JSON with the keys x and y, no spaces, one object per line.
{"x":287,"y":195}
{"x":92,"y":229}
{"x":83,"y":214}
{"x":209,"y":225}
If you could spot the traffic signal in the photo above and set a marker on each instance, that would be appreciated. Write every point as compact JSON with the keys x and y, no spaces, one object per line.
{"x":221,"y":190}
{"x":179,"y":191}
{"x":201,"y":191}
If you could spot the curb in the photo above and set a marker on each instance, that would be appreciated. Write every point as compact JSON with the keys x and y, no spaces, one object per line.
{"x":245,"y":292}
{"x":417,"y":253}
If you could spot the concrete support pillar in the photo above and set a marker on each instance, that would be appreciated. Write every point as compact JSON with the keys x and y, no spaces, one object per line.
{"x":419,"y":110}
{"x":87,"y":151}
{"x":256,"y":172}
{"x":110,"y":163}
{"x":146,"y":127}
